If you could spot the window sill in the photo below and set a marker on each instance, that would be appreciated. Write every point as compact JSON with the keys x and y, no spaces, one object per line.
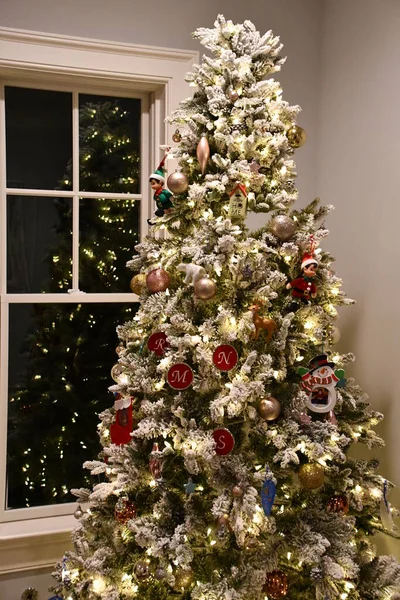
{"x":34,"y":544}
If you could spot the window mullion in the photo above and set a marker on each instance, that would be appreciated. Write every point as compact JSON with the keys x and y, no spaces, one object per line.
{"x":75,"y":189}
{"x":3,"y":198}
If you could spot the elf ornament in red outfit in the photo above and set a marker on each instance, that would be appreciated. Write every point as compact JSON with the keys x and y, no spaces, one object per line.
{"x":303,"y":287}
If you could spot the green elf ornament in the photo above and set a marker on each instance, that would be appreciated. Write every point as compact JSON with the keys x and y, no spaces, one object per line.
{"x":162,"y":197}
{"x":320,"y":381}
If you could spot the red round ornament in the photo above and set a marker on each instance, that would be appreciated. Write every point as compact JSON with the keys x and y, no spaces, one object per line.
{"x":224,"y":440}
{"x":125,"y":510}
{"x":158,"y":343}
{"x":225,"y":357}
{"x":338,"y":504}
{"x":180,"y":376}
{"x":276,"y":584}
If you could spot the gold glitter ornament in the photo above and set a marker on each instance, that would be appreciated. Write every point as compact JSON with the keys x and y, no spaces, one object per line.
{"x":283,"y":227}
{"x":183,"y":579}
{"x":296,"y":136}
{"x":138,"y":283}
{"x":276,"y":584}
{"x":269,"y":408}
{"x":311,"y":476}
{"x":177,"y":182}
{"x":205,"y":289}
{"x":176,"y":137}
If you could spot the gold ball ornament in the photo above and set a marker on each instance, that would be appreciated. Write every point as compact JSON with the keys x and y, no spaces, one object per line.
{"x":296,"y":136}
{"x":311,"y":476}
{"x":138,"y":283}
{"x":276,"y":584}
{"x":124,"y":510}
{"x":203,"y":153}
{"x":205,"y":289}
{"x":177,"y":182}
{"x":283,"y":227}
{"x":176,"y":138}
{"x":157,"y":280}
{"x":237,"y":491}
{"x":183,"y":579}
{"x":338,"y":504}
{"x":269,"y":408}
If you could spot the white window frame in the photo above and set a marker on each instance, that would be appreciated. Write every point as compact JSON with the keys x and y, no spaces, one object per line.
{"x":33,"y":538}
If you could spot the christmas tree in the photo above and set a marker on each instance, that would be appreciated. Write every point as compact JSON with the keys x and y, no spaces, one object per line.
{"x":226,"y":455}
{"x":64,"y":386}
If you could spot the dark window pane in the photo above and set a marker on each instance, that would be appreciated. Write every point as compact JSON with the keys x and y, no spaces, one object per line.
{"x":59,"y":374}
{"x":109,"y":140}
{"x":38,"y":137}
{"x":109,"y":230}
{"x":39,"y":244}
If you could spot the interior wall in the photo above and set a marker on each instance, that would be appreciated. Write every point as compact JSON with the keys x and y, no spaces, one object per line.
{"x":358,"y":166}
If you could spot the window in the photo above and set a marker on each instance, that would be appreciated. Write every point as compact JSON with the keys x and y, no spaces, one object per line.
{"x":60,"y":354}
{"x":70,"y":110}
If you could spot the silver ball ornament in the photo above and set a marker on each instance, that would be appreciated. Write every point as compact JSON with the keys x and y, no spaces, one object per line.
{"x":237,"y":491}
{"x":283,"y":227}
{"x":78,"y":512}
{"x":205,"y":289}
{"x":269,"y":409}
{"x":116,"y":372}
{"x":160,"y":574}
{"x":232,"y":94}
{"x":30,"y":594}
{"x":177,"y":182}
{"x":142,"y":570}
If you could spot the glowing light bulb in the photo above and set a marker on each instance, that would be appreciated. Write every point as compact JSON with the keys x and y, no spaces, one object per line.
{"x":98,"y":585}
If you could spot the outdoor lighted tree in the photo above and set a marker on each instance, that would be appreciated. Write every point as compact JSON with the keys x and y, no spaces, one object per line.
{"x":64,"y":386}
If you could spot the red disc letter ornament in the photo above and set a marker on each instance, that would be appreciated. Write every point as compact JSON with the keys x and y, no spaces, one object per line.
{"x":225,"y":357}
{"x":157,"y":343}
{"x":180,"y":376}
{"x":224,"y":440}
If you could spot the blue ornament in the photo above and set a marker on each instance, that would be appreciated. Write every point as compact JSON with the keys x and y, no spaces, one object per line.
{"x":190,"y":487}
{"x":268,"y":492}
{"x":56,"y":598}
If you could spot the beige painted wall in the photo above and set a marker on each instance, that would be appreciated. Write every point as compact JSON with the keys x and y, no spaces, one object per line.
{"x":358,"y":169}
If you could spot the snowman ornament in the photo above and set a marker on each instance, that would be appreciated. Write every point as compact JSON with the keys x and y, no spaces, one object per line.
{"x":320,"y":381}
